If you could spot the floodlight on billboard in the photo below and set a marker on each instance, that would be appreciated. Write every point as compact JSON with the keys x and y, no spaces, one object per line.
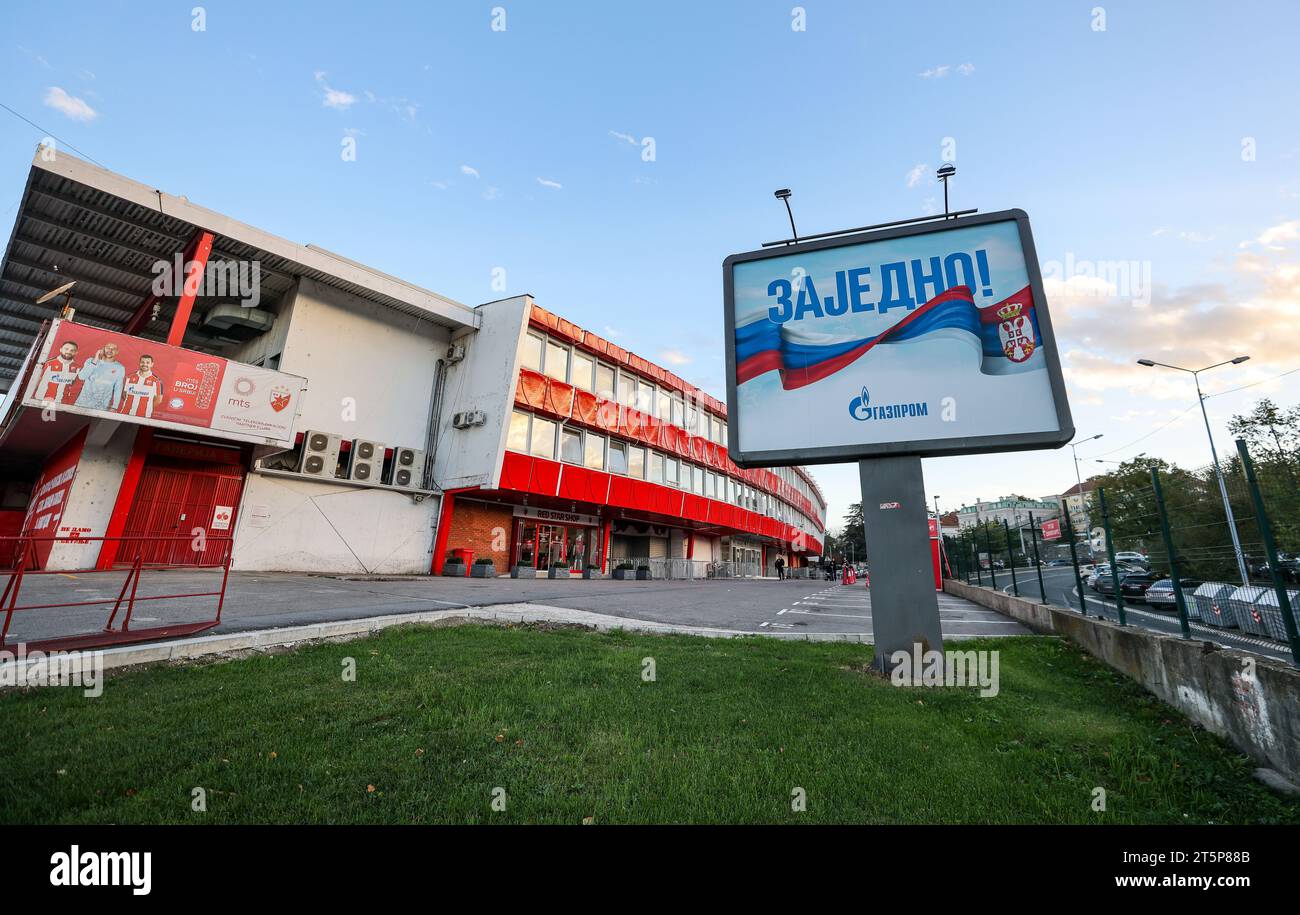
{"x":928,"y":339}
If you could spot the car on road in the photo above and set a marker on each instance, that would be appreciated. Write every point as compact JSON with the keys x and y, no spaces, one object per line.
{"x":1161,"y":594}
{"x":1132,"y":558}
{"x":1133,"y":585}
{"x":1102,"y":571}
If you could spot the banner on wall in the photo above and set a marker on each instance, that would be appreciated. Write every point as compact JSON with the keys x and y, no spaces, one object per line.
{"x":100,"y":373}
{"x":926,"y":339}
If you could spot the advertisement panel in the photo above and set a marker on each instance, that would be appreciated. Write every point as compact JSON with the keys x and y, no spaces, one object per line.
{"x":1052,"y":529}
{"x":101,"y":373}
{"x":928,"y":339}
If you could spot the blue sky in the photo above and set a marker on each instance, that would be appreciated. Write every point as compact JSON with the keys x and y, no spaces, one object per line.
{"x":521,"y":149}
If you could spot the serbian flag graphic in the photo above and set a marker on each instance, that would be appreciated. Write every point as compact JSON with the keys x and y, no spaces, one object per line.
{"x":1005,"y":334}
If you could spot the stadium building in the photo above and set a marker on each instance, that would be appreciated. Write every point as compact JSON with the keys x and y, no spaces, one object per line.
{"x":194,"y":394}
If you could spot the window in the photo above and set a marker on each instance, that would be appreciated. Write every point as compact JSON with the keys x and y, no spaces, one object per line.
{"x":541,"y":442}
{"x":722,"y":433}
{"x":604,"y":381}
{"x":670,"y":471}
{"x":692,"y":419}
{"x":676,"y":418}
{"x":571,"y":445}
{"x":617,"y":457}
{"x":595,"y":452}
{"x":697,"y":480}
{"x":557,"y":361}
{"x":517,"y":438}
{"x":663,"y":405}
{"x":582,"y":370}
{"x":706,"y":426}
{"x":636,"y":462}
{"x":530,"y":353}
{"x":627,"y":385}
{"x":645,"y":398}
{"x":656,"y":467}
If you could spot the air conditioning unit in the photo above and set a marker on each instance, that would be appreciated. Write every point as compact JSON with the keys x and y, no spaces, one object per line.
{"x":408,"y":468}
{"x":367,"y":461}
{"x":467,"y":418}
{"x":320,"y":454}
{"x":455,"y":352}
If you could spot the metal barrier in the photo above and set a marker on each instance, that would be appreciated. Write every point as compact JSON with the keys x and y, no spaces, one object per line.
{"x":24,"y":563}
{"x":695,"y":569}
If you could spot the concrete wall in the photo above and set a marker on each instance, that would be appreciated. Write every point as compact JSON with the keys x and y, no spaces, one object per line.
{"x":485,"y":380}
{"x":1251,"y":701}
{"x":347,"y":347}
{"x":90,"y":502}
{"x":370,"y":374}
{"x":305,"y":525}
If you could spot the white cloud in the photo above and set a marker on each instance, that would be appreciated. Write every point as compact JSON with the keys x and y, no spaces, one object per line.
{"x":936,"y":72}
{"x":612,"y":332}
{"x":674,"y":357}
{"x":965,"y":69}
{"x":69,"y":105}
{"x":547,"y":182}
{"x":492,"y":193}
{"x":334,"y":98}
{"x":625,"y":137}
{"x":916,"y":174}
{"x":1274,"y":235}
{"x":469,"y":170}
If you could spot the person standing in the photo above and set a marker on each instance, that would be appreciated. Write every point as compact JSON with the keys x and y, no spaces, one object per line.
{"x":780,"y":568}
{"x":102,"y":378}
{"x":59,"y":374}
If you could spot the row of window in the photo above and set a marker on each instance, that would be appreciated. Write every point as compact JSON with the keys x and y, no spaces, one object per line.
{"x":567,"y":363}
{"x":545,"y":438}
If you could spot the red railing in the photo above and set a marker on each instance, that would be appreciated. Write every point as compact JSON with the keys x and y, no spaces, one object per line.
{"x":23,"y":562}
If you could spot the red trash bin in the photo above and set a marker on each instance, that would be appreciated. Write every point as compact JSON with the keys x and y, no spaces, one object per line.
{"x":465,"y":556}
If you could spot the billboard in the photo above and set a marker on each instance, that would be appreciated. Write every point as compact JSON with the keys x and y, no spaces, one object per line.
{"x":100,"y":373}
{"x":929,"y":339}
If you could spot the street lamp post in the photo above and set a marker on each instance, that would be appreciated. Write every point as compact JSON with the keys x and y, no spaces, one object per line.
{"x":1078,"y":478}
{"x":1214,"y":453}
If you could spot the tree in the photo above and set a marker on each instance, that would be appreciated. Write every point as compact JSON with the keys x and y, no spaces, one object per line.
{"x":853,"y":539}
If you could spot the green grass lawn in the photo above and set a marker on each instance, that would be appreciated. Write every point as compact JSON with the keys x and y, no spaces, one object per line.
{"x":562,"y":720}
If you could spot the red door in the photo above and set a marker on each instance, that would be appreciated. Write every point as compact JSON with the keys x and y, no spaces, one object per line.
{"x":182,"y":503}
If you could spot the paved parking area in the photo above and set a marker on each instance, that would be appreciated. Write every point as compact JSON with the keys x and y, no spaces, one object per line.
{"x":266,"y":600}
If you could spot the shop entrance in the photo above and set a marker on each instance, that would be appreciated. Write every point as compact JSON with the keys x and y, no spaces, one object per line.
{"x":543,"y":545}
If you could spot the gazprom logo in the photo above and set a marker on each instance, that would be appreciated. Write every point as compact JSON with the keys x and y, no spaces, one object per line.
{"x":860,"y":408}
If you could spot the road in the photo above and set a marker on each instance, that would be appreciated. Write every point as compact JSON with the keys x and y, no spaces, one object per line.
{"x":259,"y":600}
{"x":1059,"y":584}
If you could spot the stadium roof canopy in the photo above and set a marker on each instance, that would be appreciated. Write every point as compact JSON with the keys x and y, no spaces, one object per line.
{"x":77,"y":221}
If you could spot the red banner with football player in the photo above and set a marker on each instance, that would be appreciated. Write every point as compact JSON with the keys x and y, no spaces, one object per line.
{"x":101,"y":373}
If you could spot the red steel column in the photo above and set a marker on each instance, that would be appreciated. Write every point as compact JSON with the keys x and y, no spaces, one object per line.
{"x":604,"y":553}
{"x":444,"y":528}
{"x":194,"y":267}
{"x":196,"y":251}
{"x":125,"y":496}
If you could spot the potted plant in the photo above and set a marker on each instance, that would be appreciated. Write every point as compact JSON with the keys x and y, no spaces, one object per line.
{"x":558,"y":570}
{"x":643,"y":572}
{"x":591,"y":571}
{"x":454,"y":566}
{"x":624,"y":571}
{"x":483,"y":568}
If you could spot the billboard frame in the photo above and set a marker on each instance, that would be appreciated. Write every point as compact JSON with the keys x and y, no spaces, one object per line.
{"x":27,"y":398}
{"x":839,"y":454}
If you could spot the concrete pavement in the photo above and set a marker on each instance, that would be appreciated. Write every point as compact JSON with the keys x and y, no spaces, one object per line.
{"x":256,"y":601}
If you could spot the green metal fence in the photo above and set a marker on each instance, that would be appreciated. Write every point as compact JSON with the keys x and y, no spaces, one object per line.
{"x":1212,"y":548}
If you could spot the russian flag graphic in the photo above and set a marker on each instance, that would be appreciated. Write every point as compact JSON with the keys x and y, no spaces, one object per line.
{"x":1006,"y":335}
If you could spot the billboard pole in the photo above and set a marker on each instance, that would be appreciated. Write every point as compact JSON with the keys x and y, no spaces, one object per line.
{"x":904,"y":605}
